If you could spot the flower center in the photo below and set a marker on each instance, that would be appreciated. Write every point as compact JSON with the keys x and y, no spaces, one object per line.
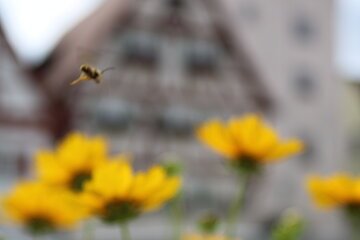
{"x":77,"y":182}
{"x":246,"y":164}
{"x":353,"y":214}
{"x":39,"y":225}
{"x":120,"y":211}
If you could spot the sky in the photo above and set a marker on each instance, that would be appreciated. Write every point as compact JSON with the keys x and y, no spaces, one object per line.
{"x":348,"y":38}
{"x":34,"y":27}
{"x":33,"y":34}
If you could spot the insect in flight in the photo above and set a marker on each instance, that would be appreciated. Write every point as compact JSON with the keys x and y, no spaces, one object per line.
{"x":89,"y":72}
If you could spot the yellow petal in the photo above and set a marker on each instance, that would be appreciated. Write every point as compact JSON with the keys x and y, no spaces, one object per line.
{"x":285,"y":149}
{"x":357,"y":191}
{"x":319,"y":193}
{"x":73,"y":152}
{"x":337,"y":190}
{"x":35,"y":199}
{"x":253,"y":136}
{"x":79,"y":153}
{"x":146,"y":184}
{"x":165,"y":193}
{"x":217,"y":137}
{"x":92,"y":202}
{"x":49,"y":170}
{"x":97,"y":151}
{"x":111,"y":180}
{"x":266,"y":141}
{"x":244,"y":130}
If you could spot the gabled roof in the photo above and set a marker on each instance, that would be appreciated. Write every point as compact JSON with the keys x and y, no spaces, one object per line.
{"x":114,"y":16}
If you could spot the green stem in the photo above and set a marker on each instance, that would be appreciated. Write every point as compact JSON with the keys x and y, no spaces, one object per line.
{"x":353,"y":215}
{"x":355,"y":229}
{"x":176,"y":216}
{"x":88,"y":231}
{"x":236,"y":205}
{"x":125,"y":233}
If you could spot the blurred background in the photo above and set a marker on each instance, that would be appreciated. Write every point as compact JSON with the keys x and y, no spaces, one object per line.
{"x":178,"y":63}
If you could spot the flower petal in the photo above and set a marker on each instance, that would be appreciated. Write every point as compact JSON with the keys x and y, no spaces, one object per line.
{"x":285,"y":149}
{"x":49,"y":169}
{"x":216,"y":136}
{"x":111,"y":180}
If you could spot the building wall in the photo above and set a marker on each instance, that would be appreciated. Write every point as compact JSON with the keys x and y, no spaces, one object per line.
{"x":20,"y":108}
{"x":292,"y":42}
{"x":161,"y":94}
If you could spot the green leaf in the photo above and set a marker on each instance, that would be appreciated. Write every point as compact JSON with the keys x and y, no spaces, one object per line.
{"x":290,"y":227}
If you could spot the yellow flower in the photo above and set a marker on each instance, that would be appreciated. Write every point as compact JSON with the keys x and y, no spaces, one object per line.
{"x":71,"y":164}
{"x":334,"y":191}
{"x":117,"y":194}
{"x":41,"y":208}
{"x":204,"y":237}
{"x":247,"y":140}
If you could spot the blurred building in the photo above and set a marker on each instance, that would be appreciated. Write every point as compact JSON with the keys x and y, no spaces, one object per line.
{"x":180,"y":62}
{"x":293,"y":44}
{"x":21,"y":116}
{"x":177,"y":63}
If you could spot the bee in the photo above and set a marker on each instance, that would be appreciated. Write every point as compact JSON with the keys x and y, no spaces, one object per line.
{"x":88,"y":72}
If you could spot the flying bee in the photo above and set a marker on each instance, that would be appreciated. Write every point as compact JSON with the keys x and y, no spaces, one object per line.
{"x":88,"y":72}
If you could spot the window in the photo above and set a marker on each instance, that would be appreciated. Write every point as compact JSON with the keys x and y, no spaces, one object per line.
{"x":113,"y":115}
{"x":142,"y":49}
{"x":302,"y":29}
{"x":178,"y":122}
{"x":176,"y":4}
{"x":304,"y":84}
{"x":201,"y":58}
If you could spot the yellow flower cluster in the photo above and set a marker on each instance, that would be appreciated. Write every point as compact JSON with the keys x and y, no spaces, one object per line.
{"x":78,"y":180}
{"x":334,"y":191}
{"x":42,"y":209}
{"x":72,"y":163}
{"x":247,"y":140}
{"x":116,"y":194}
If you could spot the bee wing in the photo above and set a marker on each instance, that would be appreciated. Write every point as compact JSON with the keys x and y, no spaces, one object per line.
{"x":83,"y":77}
{"x":107,"y":69}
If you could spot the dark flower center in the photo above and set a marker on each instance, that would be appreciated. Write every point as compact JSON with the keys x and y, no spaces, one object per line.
{"x":120,"y":211}
{"x":246,"y":164}
{"x":77,"y":183}
{"x":39,"y":225}
{"x":352,"y":211}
